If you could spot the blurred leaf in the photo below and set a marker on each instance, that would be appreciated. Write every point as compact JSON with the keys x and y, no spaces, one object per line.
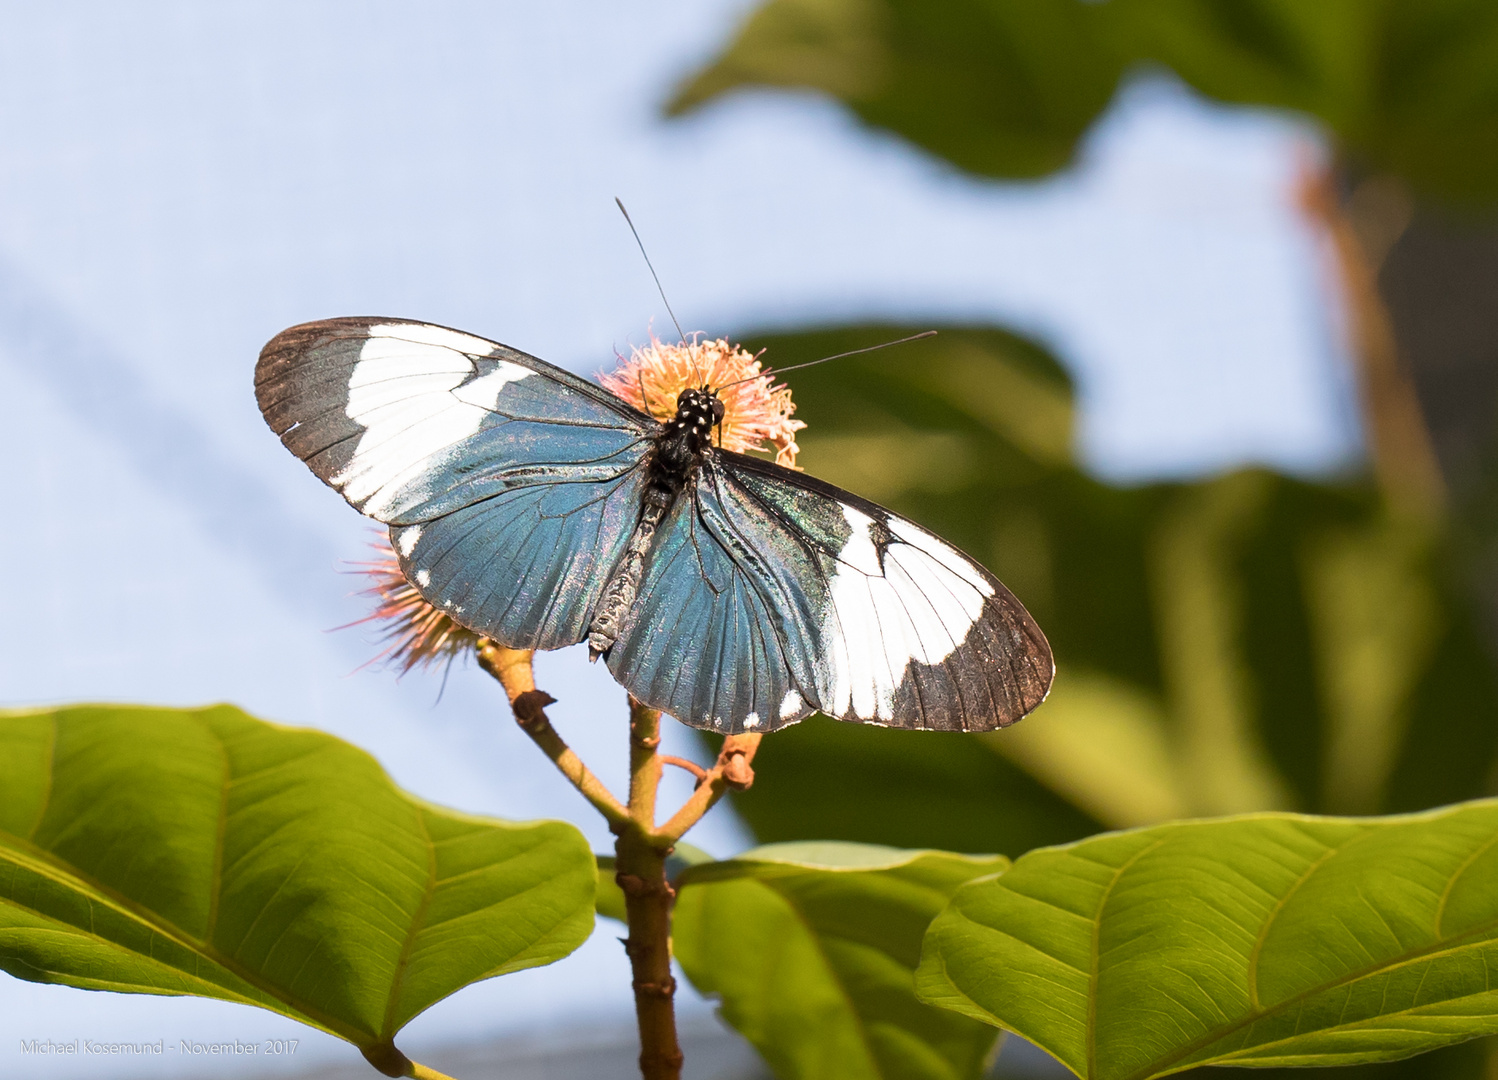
{"x":1409,"y":86}
{"x":812,"y":948}
{"x":1105,"y":747}
{"x":1005,"y":88}
{"x":1244,"y":642}
{"x":1270,"y":939}
{"x":610,"y":899}
{"x":824,"y":779}
{"x":201,"y":851}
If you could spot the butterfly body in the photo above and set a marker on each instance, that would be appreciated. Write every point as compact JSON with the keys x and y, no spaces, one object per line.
{"x":679,"y":451}
{"x":540,"y":510}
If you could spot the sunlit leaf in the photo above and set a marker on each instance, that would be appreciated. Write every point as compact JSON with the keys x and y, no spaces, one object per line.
{"x":201,"y":851}
{"x":1272,"y":939}
{"x":811,"y":949}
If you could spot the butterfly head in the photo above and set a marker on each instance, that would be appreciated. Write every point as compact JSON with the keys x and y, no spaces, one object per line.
{"x":698,"y":411}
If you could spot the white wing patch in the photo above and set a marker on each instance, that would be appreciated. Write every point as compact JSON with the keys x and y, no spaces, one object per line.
{"x":408,"y":540}
{"x":407,"y":392}
{"x":918,"y":607}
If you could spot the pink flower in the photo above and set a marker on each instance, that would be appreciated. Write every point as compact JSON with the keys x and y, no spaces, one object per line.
{"x":756,"y":413}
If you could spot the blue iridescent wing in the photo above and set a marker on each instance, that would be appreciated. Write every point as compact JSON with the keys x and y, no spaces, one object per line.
{"x":772,"y":595}
{"x":510,"y":485}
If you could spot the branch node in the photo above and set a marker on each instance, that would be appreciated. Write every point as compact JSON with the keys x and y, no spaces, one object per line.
{"x":737,"y":772}
{"x":529,"y":705}
{"x":633,"y":885}
{"x":663,"y":989}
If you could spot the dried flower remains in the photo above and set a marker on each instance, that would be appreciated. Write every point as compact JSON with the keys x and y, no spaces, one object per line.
{"x":415,"y":633}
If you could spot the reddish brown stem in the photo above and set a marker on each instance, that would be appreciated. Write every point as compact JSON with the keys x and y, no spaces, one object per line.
{"x":682,"y":763}
{"x":733,"y":769}
{"x":641,"y":848}
{"x":640,"y":865}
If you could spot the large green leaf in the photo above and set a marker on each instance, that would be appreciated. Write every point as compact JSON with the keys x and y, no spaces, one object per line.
{"x":1269,"y":939}
{"x":812,"y":949}
{"x":201,"y":851}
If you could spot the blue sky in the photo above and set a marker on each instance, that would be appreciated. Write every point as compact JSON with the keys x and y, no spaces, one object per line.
{"x":180,"y":181}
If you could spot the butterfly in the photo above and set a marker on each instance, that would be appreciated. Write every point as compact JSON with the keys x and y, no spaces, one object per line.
{"x":540,"y":510}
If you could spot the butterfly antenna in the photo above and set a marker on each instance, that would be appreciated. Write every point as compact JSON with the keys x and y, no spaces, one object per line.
{"x":643,"y":396}
{"x":835,"y":356}
{"x":658,"y":287}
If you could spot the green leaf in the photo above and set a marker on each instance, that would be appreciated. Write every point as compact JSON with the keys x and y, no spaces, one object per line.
{"x":201,"y":851}
{"x":1272,"y":939}
{"x":1007,"y":88}
{"x":812,"y":949}
{"x":1409,"y":86}
{"x":1002,"y":88}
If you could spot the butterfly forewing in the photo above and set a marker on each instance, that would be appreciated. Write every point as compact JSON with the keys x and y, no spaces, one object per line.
{"x":511,"y":485}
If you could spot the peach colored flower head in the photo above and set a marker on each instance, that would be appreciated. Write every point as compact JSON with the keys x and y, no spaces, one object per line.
{"x":415,"y":633}
{"x":756,"y":413}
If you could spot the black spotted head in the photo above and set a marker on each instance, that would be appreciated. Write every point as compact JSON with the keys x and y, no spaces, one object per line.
{"x":750,"y":413}
{"x":698,"y":410}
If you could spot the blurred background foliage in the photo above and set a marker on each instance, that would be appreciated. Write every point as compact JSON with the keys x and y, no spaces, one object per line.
{"x":1248,"y":641}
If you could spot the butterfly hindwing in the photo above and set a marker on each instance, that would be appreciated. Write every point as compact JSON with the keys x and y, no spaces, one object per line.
{"x":524,"y":567}
{"x":872,"y":618}
{"x":704,"y":639}
{"x":510,"y":485}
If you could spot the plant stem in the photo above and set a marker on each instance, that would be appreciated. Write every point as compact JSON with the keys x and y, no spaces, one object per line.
{"x":640,"y":849}
{"x":732,"y":770}
{"x":640,"y":865}
{"x":1404,"y":457}
{"x":390,"y":1061}
{"x":422,"y":1072}
{"x":512,"y":667}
